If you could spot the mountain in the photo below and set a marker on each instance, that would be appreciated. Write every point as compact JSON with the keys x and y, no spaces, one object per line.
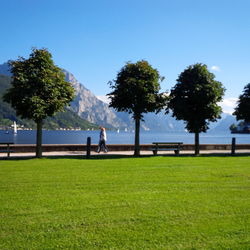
{"x":162,"y":122}
{"x":90,"y":108}
{"x":67,"y":119}
{"x":224,"y":123}
{"x":86,"y":106}
{"x":167,"y":123}
{"x":5,"y":69}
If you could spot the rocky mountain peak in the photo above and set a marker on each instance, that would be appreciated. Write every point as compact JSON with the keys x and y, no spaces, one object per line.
{"x":90,"y":108}
{"x":5,"y":69}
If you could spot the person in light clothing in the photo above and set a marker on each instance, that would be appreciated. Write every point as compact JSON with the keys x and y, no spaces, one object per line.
{"x":102,"y":140}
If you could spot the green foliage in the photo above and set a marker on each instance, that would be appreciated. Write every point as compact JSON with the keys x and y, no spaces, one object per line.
{"x":67,"y":119}
{"x":233,"y":127}
{"x":129,"y":203}
{"x":38,"y":87}
{"x":242,"y":111}
{"x":241,"y":128}
{"x":195,"y":98}
{"x":136,"y":89}
{"x":7,"y":113}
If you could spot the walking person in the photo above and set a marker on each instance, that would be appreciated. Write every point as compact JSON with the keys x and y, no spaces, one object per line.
{"x":102,"y":140}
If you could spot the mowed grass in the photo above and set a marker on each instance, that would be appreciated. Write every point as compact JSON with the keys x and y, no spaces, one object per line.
{"x":125,"y":203}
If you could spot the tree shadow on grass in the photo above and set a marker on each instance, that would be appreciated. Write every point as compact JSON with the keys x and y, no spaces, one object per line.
{"x":76,"y":157}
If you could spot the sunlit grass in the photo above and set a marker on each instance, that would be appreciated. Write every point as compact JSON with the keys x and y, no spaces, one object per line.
{"x":126,"y":203}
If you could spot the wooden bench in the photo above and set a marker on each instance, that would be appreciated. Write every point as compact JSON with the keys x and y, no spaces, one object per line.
{"x":166,"y":146}
{"x":6,"y":149}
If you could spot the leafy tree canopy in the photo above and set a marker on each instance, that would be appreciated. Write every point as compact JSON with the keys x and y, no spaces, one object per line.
{"x":136,"y":89}
{"x":38,"y":86}
{"x":38,"y":89}
{"x":195,"y":98}
{"x":67,"y":119}
{"x":242,"y":111}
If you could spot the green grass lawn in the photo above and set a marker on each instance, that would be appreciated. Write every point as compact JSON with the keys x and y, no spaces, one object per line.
{"x":125,"y":203}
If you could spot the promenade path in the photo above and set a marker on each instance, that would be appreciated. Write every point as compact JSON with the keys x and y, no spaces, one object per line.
{"x":117,"y":153}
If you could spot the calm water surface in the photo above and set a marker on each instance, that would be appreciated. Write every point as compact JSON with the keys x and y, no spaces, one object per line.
{"x":80,"y":137}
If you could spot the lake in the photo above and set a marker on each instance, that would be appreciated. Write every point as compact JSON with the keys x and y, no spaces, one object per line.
{"x":80,"y":137}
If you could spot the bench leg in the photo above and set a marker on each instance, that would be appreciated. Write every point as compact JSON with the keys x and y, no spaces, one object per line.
{"x":155,"y":152}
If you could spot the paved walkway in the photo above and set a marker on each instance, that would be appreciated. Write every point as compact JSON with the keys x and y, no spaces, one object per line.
{"x":122,"y":153}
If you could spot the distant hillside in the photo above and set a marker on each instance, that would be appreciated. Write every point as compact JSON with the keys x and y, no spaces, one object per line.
{"x":86,"y":106}
{"x":67,"y":119}
{"x":4,"y":69}
{"x":223,"y":125}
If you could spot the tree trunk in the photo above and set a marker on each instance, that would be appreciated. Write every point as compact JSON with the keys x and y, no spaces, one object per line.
{"x":197,"y":144}
{"x":137,"y":137}
{"x":39,"y":139}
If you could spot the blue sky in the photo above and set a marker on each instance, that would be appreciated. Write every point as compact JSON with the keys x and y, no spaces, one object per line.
{"x":94,"y":39}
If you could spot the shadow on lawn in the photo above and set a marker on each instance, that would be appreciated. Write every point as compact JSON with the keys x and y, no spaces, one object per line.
{"x":110,"y":156}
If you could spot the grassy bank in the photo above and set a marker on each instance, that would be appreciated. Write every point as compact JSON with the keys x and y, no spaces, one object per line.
{"x":126,"y":203}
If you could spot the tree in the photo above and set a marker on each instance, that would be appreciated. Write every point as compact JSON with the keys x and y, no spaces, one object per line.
{"x":194,"y":99}
{"x":233,"y":127}
{"x":38,"y":89}
{"x":242,"y":111}
{"x":136,"y":91}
